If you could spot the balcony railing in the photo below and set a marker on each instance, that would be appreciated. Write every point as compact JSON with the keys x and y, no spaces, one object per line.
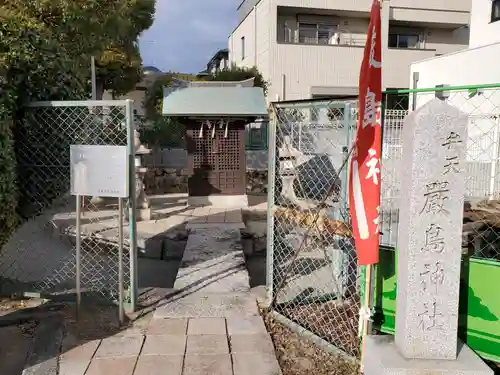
{"x":321,"y":36}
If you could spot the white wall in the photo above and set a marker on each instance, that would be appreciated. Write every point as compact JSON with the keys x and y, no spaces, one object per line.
{"x":257,"y":40}
{"x":469,"y":67}
{"x":482,"y":31}
{"x":247,"y":30}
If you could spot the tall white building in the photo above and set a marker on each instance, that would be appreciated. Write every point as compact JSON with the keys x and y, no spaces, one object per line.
{"x":314,"y":48}
{"x":473,"y":66}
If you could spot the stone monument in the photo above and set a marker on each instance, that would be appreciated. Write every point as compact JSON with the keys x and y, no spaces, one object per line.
{"x":429,"y":252}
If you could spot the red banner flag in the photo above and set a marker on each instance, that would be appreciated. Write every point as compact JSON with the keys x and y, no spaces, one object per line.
{"x":364,"y":173}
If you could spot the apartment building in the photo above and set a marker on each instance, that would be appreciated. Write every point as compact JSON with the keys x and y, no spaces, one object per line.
{"x":477,"y":65}
{"x":314,"y":48}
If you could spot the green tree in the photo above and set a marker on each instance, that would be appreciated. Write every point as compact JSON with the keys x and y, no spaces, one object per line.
{"x":236,"y":73}
{"x":45,"y":49}
{"x":119,"y":66}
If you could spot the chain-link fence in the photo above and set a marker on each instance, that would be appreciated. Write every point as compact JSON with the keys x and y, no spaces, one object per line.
{"x":313,"y":278}
{"x":481,"y":229}
{"x":40,"y":256}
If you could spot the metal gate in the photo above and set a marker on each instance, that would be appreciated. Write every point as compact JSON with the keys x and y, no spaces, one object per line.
{"x":40,"y":256}
{"x":313,"y":278}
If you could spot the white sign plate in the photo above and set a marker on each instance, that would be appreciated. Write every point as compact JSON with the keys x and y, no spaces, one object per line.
{"x":100,"y":171}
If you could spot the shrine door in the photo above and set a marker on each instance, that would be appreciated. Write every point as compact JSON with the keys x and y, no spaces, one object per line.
{"x":216,"y":160}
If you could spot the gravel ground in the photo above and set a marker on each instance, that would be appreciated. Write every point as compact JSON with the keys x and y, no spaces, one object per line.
{"x":298,"y":356}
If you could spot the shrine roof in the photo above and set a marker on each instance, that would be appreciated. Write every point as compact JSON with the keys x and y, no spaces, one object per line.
{"x":214,"y":102}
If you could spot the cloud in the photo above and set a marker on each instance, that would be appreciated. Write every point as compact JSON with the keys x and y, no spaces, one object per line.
{"x":187,"y":33}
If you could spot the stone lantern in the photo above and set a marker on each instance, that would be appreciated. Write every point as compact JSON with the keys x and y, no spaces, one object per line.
{"x":143,"y":209}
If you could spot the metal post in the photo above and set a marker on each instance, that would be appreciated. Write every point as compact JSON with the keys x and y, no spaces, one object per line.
{"x":120,"y":261}
{"x":271,"y":182}
{"x":132,"y":204}
{"x":93,"y":78}
{"x":78,"y":255}
{"x":345,"y":152}
{"x":491,"y":192}
{"x":415,"y":78}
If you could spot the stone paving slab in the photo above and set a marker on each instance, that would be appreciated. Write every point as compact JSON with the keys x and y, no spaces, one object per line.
{"x":208,"y":365}
{"x":253,"y":364}
{"x":245,"y":325}
{"x":179,"y":346}
{"x":125,"y":346}
{"x":164,"y":345}
{"x":74,"y":367}
{"x":202,"y":225}
{"x":159,"y":365}
{"x":78,"y":350}
{"x":207,"y":326}
{"x":209,"y":306}
{"x":205,"y":244}
{"x":167,"y":326}
{"x":213,"y":217}
{"x":245,"y":344}
{"x":207,"y":344}
{"x":213,"y":262}
{"x":227,"y":280}
{"x":112,"y":366}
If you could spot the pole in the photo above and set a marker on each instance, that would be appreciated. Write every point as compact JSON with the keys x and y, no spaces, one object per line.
{"x":120,"y":261}
{"x":93,"y":78}
{"x":365,"y":314}
{"x":271,"y":183}
{"x":78,"y":255}
{"x":132,"y":204}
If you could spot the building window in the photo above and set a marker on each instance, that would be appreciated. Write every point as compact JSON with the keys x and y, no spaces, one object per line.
{"x":243,"y":48}
{"x":495,"y":10}
{"x":313,"y":33}
{"x":405,"y":39}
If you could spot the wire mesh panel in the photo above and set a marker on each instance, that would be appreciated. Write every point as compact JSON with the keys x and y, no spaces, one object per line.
{"x":40,"y":256}
{"x":313,"y":274}
{"x":481,"y":230}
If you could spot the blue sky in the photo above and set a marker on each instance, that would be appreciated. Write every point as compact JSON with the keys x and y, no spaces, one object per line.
{"x":187,"y":33}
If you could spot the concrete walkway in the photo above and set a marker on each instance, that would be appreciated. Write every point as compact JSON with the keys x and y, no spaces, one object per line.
{"x":178,"y":346}
{"x":211,"y":327}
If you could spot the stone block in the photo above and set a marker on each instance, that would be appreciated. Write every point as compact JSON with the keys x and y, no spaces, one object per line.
{"x":382,"y":357}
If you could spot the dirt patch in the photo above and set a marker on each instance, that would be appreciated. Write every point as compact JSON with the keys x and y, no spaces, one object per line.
{"x":299,"y":356}
{"x":334,"y":322}
{"x":93,"y":321}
